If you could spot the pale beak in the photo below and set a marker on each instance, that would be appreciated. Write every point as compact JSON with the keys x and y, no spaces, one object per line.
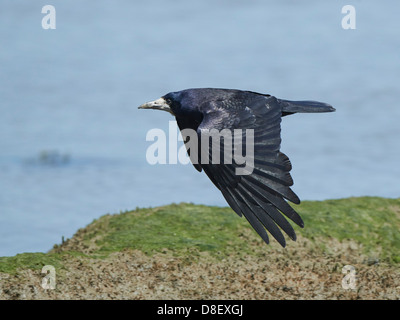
{"x":159,"y":104}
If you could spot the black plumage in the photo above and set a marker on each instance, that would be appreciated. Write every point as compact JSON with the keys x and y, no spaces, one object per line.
{"x":262,"y":195}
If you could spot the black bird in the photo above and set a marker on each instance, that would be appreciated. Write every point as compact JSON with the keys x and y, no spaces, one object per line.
{"x":262,"y":195}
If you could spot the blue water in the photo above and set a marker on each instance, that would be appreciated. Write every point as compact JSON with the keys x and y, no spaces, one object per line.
{"x":72,"y":141}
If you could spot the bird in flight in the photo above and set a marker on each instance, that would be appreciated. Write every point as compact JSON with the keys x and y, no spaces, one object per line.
{"x":261,"y":192}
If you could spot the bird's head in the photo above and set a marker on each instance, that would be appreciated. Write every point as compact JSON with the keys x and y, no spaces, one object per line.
{"x":162,"y":103}
{"x":174,"y":102}
{"x":183,"y":103}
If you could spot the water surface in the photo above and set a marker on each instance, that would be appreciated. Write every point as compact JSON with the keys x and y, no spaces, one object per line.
{"x":72,"y":141}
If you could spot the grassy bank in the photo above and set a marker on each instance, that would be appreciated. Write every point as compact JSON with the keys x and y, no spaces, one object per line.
{"x":364,"y":229}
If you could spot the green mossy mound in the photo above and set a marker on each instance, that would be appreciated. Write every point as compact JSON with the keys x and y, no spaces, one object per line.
{"x":371,"y":223}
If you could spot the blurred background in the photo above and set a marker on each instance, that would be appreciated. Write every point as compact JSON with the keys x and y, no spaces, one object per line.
{"x":73,"y":143}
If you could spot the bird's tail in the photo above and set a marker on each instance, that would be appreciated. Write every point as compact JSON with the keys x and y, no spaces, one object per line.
{"x":289,"y":107}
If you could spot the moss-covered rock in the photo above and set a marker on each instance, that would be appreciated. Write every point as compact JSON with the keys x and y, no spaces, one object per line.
{"x":361,"y":231}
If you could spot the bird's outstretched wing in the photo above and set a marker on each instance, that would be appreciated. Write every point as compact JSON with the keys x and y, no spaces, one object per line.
{"x":260,"y":196}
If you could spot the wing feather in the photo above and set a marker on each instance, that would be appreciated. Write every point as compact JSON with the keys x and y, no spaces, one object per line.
{"x":259,"y":196}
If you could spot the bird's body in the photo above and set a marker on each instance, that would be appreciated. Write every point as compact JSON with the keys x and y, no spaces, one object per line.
{"x":260,"y":193}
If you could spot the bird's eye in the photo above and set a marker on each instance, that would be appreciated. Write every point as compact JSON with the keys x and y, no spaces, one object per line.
{"x":168,"y":101}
